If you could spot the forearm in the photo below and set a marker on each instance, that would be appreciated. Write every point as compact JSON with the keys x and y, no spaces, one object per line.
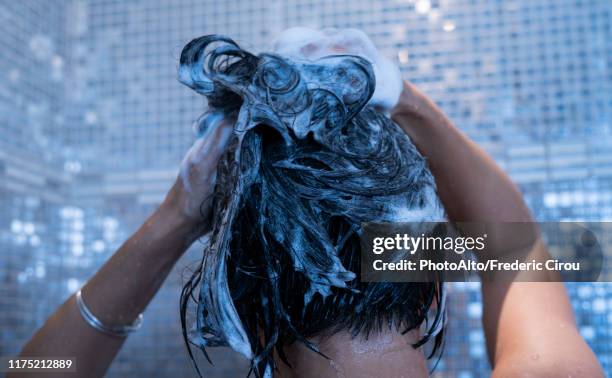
{"x":118,"y":292}
{"x":470,"y":184}
{"x":128,"y":281}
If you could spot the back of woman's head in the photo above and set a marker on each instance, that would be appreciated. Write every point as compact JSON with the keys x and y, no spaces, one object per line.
{"x":309,"y":162}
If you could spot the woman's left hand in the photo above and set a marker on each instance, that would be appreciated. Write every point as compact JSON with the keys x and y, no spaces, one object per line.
{"x":191,"y":195}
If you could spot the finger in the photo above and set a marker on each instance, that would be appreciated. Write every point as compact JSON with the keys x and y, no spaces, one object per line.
{"x":207,"y":122}
{"x":216,"y":141}
{"x":222,"y":136}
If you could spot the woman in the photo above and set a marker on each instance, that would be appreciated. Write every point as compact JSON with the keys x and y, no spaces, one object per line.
{"x":521,"y":320}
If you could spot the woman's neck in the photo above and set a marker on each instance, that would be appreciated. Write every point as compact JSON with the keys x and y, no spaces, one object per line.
{"x":383,"y":354}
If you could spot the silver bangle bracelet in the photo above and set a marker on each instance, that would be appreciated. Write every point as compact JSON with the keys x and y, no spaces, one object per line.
{"x":94,"y":322}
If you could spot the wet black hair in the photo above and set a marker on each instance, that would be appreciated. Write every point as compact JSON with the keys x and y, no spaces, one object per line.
{"x":308,"y":162}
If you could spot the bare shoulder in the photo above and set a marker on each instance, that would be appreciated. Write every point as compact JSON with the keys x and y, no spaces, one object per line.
{"x":581,"y":363}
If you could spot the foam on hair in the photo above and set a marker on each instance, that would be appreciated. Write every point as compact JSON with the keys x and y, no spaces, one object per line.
{"x":308,"y":162}
{"x":311,"y":44}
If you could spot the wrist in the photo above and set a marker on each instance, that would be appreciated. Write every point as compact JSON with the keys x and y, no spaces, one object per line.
{"x":176,"y":221}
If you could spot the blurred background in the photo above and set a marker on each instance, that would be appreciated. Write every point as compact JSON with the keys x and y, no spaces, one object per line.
{"x":93,"y":125}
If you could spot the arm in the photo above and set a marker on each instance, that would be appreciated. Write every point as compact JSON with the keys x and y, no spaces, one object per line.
{"x":123,"y":287}
{"x":529,"y":326}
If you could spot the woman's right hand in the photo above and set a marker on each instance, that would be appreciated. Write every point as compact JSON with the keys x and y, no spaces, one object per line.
{"x":414,"y":106}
